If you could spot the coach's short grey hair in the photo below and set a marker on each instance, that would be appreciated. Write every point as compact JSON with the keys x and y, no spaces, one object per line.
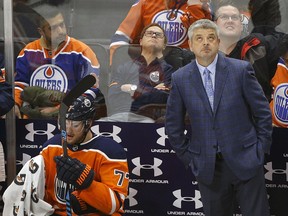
{"x":203,"y":24}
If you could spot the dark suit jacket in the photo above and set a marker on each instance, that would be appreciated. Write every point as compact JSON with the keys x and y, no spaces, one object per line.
{"x":240,"y":124}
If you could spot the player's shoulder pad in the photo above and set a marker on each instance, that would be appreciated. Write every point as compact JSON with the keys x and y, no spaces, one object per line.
{"x":109,"y":147}
{"x":55,"y":140}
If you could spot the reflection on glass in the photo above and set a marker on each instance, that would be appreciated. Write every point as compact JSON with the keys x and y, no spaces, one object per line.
{"x":54,"y":64}
{"x":255,"y":16}
{"x":143,"y":83}
{"x":259,"y":47}
{"x":279,"y":83}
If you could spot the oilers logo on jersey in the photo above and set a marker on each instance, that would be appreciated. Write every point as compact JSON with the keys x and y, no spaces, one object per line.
{"x":61,"y":188}
{"x":174,"y":29}
{"x":50,"y":77}
{"x":154,"y":76}
{"x":281,"y":103}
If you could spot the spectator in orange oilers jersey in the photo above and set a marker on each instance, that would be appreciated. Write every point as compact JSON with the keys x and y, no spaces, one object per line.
{"x":279,"y":82}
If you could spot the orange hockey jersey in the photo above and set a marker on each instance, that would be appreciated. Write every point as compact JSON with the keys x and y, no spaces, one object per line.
{"x":279,"y":103}
{"x":110,"y":186}
{"x":144,"y":12}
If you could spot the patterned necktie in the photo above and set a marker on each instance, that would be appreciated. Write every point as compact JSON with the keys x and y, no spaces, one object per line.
{"x":208,"y":86}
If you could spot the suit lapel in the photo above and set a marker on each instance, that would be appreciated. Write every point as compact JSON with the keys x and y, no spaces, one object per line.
{"x":220,"y":80}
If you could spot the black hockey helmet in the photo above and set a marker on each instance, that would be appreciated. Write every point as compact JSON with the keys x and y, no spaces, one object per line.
{"x":83,"y":108}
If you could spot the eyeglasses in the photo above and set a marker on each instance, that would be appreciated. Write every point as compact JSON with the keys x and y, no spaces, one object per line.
{"x":151,"y":33}
{"x":225,"y":17}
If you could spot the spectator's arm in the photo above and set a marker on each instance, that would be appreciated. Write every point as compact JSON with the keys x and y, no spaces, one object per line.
{"x":195,"y":10}
{"x":129,"y":29}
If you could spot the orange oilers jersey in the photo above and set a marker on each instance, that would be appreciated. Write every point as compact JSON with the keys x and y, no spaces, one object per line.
{"x":144,"y":12}
{"x":279,"y":103}
{"x":110,"y":186}
{"x":2,"y":76}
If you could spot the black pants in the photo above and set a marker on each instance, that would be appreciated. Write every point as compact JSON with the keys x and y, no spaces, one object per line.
{"x":218,"y":198}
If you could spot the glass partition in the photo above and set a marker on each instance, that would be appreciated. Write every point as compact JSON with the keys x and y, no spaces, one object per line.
{"x":53,"y":48}
{"x":112,"y":30}
{"x":2,"y":37}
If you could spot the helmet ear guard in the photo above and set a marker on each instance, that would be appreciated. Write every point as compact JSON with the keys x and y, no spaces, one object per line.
{"x":87,"y":123}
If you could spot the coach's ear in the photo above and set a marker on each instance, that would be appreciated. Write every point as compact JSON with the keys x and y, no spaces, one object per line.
{"x":190,"y":44}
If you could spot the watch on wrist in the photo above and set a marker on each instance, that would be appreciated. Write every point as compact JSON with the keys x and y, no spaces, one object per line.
{"x":133,"y":87}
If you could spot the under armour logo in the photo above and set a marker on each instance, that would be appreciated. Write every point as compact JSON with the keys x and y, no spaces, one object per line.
{"x":25,"y":158}
{"x":178,"y":202}
{"x":116,"y":130}
{"x":163,"y":136}
{"x":154,"y":167}
{"x":32,"y":131}
{"x":132,"y":193}
{"x":271,"y":171}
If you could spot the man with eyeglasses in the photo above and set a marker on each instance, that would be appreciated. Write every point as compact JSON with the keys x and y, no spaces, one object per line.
{"x":260,"y":50}
{"x":144,"y":80}
{"x":174,"y":16}
{"x":95,"y":170}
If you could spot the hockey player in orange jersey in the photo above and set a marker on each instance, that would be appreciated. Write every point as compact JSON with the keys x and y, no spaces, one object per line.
{"x":96,"y":168}
{"x":94,"y":174}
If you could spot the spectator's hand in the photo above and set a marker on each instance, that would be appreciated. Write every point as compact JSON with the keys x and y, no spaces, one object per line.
{"x":17,"y":111}
{"x":72,"y":171}
{"x":197,"y":9}
{"x":129,"y":88}
{"x":162,"y":87}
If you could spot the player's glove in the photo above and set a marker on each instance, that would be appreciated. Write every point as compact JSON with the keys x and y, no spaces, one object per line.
{"x":72,"y":171}
{"x":79,"y":206}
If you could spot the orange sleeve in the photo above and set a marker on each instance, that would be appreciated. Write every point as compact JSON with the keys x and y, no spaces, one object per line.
{"x":113,"y":187}
{"x":198,"y":12}
{"x":2,"y":79}
{"x":132,"y":25}
{"x":194,"y":13}
{"x":17,"y":92}
{"x":130,"y":28}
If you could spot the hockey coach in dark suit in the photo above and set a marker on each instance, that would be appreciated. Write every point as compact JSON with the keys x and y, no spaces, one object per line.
{"x":230,"y":123}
